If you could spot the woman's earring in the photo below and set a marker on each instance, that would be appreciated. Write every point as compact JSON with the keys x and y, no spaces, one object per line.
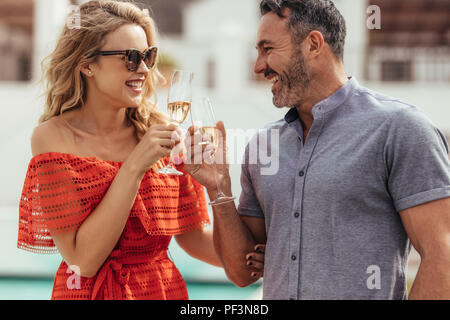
{"x":89,"y":72}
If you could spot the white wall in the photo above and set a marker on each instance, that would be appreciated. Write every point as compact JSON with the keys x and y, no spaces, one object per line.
{"x":222,"y":31}
{"x":225,"y":31}
{"x":354,"y":13}
{"x":247,"y":107}
{"x":49,"y":18}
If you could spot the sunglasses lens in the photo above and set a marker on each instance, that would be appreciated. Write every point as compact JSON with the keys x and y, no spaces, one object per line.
{"x":133,"y":60}
{"x":150,"y":58}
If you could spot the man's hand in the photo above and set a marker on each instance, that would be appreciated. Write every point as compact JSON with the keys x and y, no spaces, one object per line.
{"x":201,"y":159}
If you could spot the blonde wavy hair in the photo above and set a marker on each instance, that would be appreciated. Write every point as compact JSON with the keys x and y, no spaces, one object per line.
{"x":65,"y":85}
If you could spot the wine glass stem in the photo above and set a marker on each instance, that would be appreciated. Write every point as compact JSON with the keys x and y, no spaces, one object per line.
{"x":170,"y":164}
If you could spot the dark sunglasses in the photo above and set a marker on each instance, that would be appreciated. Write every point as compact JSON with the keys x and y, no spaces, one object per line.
{"x":133,"y":57}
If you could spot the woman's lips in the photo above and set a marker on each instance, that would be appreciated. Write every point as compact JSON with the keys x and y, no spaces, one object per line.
{"x":135,"y":85}
{"x":135,"y":90}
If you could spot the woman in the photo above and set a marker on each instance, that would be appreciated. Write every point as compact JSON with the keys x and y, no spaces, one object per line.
{"x":91,"y":191}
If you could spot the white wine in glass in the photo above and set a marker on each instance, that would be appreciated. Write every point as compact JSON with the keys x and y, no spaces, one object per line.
{"x":210,"y":136}
{"x":178,"y":106}
{"x":178,"y":111}
{"x":203,"y":117}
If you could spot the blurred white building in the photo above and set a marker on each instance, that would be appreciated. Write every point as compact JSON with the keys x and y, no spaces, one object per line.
{"x":217,"y":42}
{"x":219,"y":39}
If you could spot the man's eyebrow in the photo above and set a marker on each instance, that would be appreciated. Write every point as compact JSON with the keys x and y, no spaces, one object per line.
{"x":262,"y":43}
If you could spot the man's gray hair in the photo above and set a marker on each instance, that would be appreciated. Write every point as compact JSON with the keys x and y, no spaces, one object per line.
{"x":309,"y":15}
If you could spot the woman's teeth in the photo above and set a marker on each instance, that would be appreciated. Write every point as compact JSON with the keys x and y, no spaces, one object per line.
{"x":134,"y":84}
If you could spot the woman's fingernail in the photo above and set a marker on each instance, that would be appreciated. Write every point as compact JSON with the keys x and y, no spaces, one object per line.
{"x":253,"y":275}
{"x":249,"y":258}
{"x":249,"y":263}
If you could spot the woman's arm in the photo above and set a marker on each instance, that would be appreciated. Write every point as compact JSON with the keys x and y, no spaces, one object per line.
{"x":89,"y":246}
{"x":199,"y":244}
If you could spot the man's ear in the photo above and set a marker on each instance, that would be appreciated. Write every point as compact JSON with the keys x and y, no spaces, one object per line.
{"x":315,"y":43}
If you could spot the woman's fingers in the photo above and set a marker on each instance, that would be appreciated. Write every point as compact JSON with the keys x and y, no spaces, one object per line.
{"x":260,"y":248}
{"x":257,"y":275}
{"x":168,"y":134}
{"x":255,"y":261}
{"x":168,"y":143}
{"x":255,"y":265}
{"x":255,"y":256}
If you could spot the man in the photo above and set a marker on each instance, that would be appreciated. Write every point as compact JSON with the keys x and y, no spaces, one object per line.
{"x":361,"y":176}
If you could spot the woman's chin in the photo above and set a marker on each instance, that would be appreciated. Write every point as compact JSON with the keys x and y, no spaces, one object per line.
{"x":134,"y":102}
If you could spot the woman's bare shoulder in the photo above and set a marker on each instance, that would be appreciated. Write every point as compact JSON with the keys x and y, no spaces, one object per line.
{"x":48,"y":137}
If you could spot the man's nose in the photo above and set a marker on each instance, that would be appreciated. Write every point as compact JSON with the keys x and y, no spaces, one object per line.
{"x":260,"y":65}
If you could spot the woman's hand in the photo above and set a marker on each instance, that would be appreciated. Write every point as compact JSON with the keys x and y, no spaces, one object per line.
{"x":255,"y":261}
{"x":157,"y":143}
{"x":199,"y":160}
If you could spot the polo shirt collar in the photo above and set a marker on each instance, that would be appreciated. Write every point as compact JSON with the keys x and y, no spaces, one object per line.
{"x":328,"y":104}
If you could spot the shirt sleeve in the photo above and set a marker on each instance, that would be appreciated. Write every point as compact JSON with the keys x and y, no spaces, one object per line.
{"x":248,"y":201}
{"x":416,"y":159}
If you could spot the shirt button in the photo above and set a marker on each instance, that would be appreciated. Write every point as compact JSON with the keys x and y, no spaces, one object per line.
{"x":293,"y":257}
{"x":301,"y":173}
{"x":297,"y":214}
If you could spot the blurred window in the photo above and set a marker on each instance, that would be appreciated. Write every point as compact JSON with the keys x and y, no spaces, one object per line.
{"x":396,"y":71}
{"x":415,"y":31}
{"x":211,"y":73}
{"x":16,"y":31}
{"x":168,"y":14}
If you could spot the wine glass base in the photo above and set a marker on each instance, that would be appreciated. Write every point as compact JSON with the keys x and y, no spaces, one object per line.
{"x":170,"y":171}
{"x":221,"y":200}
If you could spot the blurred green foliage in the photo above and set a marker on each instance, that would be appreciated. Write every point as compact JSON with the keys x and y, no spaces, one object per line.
{"x":166,"y":61}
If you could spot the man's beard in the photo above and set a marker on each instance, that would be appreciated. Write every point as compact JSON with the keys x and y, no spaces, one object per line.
{"x":294,"y":82}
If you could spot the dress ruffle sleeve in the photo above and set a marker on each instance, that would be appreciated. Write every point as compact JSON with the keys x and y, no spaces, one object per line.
{"x":57,"y":195}
{"x":61,"y":190}
{"x":173,"y":205}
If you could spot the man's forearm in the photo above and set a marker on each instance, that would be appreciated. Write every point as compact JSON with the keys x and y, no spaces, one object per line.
{"x":432,"y":281}
{"x":232,"y":241}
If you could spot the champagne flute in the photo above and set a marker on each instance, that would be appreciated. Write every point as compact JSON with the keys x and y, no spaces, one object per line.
{"x":178,"y":106}
{"x":203,"y":117}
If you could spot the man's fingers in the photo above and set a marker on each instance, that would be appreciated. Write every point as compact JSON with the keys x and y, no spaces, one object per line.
{"x":193,"y":139}
{"x":221,"y":128}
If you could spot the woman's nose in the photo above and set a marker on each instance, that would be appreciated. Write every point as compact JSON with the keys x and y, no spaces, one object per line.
{"x":143,"y":68}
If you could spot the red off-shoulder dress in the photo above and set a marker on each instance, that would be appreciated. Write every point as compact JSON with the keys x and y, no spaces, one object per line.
{"x":61,"y":190}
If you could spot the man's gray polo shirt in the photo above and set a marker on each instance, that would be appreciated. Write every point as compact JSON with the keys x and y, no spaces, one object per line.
{"x":332,"y":209}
